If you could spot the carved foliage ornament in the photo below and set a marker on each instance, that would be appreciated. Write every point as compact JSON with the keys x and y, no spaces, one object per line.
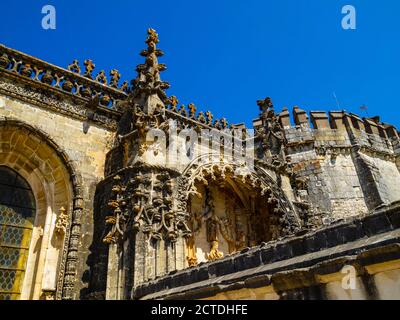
{"x":144,"y":202}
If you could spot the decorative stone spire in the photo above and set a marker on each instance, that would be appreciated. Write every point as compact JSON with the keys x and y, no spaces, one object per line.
{"x":266,"y":107}
{"x":148,"y":87}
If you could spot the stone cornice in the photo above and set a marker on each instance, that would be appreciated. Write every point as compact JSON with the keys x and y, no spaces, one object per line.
{"x":63,"y":103}
{"x":43,"y":72}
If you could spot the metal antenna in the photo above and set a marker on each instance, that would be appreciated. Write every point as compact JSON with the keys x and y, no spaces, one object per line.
{"x":336,"y":99}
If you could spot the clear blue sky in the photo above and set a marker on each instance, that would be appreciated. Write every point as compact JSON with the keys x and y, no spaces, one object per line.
{"x":224,"y":55}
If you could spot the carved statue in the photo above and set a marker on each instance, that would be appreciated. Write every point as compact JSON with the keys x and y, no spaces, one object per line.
{"x":214,"y":253}
{"x":212,"y":237}
{"x":191,"y":250}
{"x":212,"y":229}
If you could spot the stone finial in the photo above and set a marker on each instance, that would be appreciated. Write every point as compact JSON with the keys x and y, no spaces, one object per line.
{"x":265,"y":105}
{"x":125,"y":86}
{"x":217,"y":125}
{"x":182,"y":110}
{"x":115,"y":76}
{"x":224,"y":123}
{"x":209,"y":118}
{"x":192,"y":110}
{"x":74,"y":67}
{"x":101,"y":77}
{"x":148,"y":82}
{"x":201,"y":118}
{"x":173,"y":101}
{"x":89,"y":67}
{"x":152,"y":37}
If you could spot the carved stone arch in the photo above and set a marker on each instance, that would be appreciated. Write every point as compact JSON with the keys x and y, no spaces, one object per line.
{"x":287,"y":219}
{"x":57,"y":189}
{"x":290,"y":221}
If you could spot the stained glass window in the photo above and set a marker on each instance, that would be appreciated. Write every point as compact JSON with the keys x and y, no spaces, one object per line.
{"x":17,"y":211}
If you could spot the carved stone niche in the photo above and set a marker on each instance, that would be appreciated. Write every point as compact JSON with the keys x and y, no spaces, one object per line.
{"x":228,"y":215}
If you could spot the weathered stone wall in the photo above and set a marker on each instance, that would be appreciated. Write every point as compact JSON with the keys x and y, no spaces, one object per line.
{"x":348,"y":163}
{"x":85,"y":147}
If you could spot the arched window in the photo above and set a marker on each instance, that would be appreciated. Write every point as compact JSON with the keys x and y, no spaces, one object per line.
{"x":17,"y":212}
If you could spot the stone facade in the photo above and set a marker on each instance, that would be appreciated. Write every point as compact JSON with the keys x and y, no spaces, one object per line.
{"x":135,"y":201}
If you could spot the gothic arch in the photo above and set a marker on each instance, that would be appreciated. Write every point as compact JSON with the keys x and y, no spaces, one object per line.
{"x":287,"y":219}
{"x":50,"y":269}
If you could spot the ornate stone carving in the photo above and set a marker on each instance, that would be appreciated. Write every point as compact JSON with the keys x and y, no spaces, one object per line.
{"x":74,"y":67}
{"x":144,"y":202}
{"x":182,"y":111}
{"x":201,"y":118}
{"x":115,"y":76}
{"x":192,"y":110}
{"x":224,"y":123}
{"x":89,"y":67}
{"x":48,"y":295}
{"x":34,"y":73}
{"x":101,"y":77}
{"x":191,"y":252}
{"x":284,"y":217}
{"x":125,"y":87}
{"x":148,"y":81}
{"x":4,"y":61}
{"x":209,"y":118}
{"x":62,"y":221}
{"x":47,"y":77}
{"x":173,"y":103}
{"x":212,"y":225}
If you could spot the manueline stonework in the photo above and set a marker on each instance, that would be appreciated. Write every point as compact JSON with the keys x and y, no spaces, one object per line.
{"x":91,"y":208}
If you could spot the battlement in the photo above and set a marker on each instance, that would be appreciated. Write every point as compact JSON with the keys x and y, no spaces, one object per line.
{"x":337,"y":128}
{"x":336,"y":120}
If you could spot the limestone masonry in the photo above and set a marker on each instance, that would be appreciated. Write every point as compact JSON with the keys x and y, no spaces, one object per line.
{"x":91,"y":208}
